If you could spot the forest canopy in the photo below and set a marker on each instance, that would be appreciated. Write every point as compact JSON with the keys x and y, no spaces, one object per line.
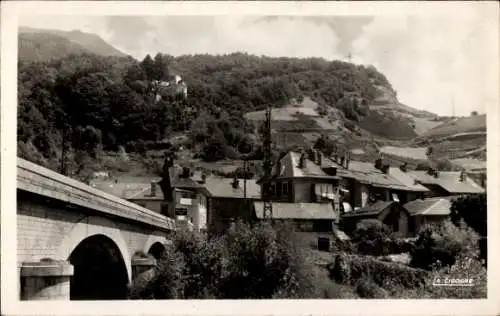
{"x":89,"y":103}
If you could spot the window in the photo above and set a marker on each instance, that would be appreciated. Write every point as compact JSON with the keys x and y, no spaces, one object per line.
{"x":278,"y":189}
{"x":273,"y":189}
{"x":285,"y":188}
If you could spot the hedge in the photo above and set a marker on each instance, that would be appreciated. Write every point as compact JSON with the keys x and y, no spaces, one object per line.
{"x":348,"y":269}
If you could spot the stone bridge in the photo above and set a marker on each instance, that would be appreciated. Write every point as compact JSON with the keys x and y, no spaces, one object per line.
{"x":76,"y":242}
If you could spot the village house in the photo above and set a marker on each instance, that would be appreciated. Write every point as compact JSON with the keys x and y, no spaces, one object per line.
{"x":180,"y":198}
{"x":364,"y":183}
{"x":428,"y":211}
{"x":390,"y":213}
{"x":404,"y":220}
{"x":186,"y":199}
{"x":302,"y":193}
{"x":446,"y":183}
{"x":229,"y":200}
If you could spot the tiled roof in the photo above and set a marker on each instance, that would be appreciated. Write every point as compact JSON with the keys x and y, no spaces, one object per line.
{"x":306,"y":211}
{"x":406,"y":179}
{"x":372,"y":209}
{"x":448,"y":180}
{"x":128,"y":190}
{"x":223,"y":187}
{"x":366,"y":173}
{"x":183,"y":183}
{"x":290,"y":168}
{"x":432,"y":206}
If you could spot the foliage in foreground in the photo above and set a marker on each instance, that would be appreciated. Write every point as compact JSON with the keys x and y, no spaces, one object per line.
{"x":259,"y":262}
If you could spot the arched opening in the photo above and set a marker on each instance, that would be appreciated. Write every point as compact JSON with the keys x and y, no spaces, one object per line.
{"x":157,"y":250}
{"x":99,"y":270}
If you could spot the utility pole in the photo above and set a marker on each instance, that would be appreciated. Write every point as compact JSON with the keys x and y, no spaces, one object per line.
{"x":245,"y":172}
{"x":267,"y":166}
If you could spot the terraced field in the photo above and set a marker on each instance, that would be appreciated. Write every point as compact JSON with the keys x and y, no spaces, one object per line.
{"x":418,"y":153}
{"x":458,"y":126}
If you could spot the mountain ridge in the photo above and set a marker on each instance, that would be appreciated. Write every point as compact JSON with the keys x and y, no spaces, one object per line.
{"x":50,"y":44}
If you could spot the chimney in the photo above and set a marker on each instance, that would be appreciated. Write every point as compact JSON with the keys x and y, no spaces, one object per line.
{"x":385,"y":168}
{"x":378,"y":163}
{"x":235,"y":183}
{"x":278,"y":167}
{"x":153,"y":188}
{"x":302,"y":161}
{"x":342,"y":159}
{"x":186,"y":173}
{"x":462,"y":176}
{"x":436,"y":174}
{"x":203,"y":178}
{"x":320,"y":158}
{"x":403,"y":167}
{"x":347,"y":159}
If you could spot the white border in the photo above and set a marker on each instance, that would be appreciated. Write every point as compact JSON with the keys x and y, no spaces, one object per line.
{"x":10,"y":303}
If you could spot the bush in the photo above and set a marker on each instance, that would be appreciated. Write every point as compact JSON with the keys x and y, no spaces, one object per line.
{"x":372,"y":237}
{"x":440,"y":244}
{"x":248,"y":262}
{"x":349,"y":269}
{"x":368,"y":289}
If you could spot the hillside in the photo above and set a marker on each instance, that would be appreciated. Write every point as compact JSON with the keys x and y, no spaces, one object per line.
{"x":43,"y":44}
{"x":107,"y":104}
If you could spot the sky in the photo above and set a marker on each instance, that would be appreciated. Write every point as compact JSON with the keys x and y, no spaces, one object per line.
{"x":442,"y":64}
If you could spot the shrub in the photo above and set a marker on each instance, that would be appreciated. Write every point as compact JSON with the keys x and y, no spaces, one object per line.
{"x":348,"y":269}
{"x":440,"y":244}
{"x":248,"y":262}
{"x":368,"y":289}
{"x":167,"y":282}
{"x":372,"y":237}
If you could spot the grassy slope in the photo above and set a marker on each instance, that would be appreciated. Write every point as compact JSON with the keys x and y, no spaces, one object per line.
{"x":42,"y":47}
{"x":44,"y":44}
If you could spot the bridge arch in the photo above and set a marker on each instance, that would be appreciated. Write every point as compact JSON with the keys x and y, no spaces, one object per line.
{"x":96,"y":226}
{"x":156,"y":244}
{"x":100,"y":272}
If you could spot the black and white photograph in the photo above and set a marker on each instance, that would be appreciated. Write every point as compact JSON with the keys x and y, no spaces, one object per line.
{"x":281,"y":154}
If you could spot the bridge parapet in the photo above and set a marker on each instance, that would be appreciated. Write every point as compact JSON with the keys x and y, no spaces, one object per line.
{"x":42,"y":181}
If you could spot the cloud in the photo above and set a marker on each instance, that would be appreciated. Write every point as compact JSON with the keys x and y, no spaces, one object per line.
{"x":434,"y":61}
{"x":429,"y":59}
{"x":177,"y":35}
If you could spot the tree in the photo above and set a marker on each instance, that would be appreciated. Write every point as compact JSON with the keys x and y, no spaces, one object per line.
{"x":473,"y":211}
{"x":148,"y":66}
{"x":473,"y":113}
{"x":160,"y":71}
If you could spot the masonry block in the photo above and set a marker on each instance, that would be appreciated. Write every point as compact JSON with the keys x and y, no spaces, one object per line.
{"x":46,"y":280}
{"x":143,"y":268}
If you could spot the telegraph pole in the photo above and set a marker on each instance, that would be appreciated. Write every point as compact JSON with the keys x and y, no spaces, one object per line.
{"x":267,"y":164}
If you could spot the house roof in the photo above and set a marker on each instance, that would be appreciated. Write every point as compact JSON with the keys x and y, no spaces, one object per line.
{"x":366,"y":173}
{"x":306,"y":211}
{"x":449,"y":181}
{"x":223,"y":187}
{"x":372,"y":209}
{"x":432,"y":206}
{"x":183,"y":183}
{"x":290,"y":168}
{"x":128,"y":190}
{"x":406,"y":179}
